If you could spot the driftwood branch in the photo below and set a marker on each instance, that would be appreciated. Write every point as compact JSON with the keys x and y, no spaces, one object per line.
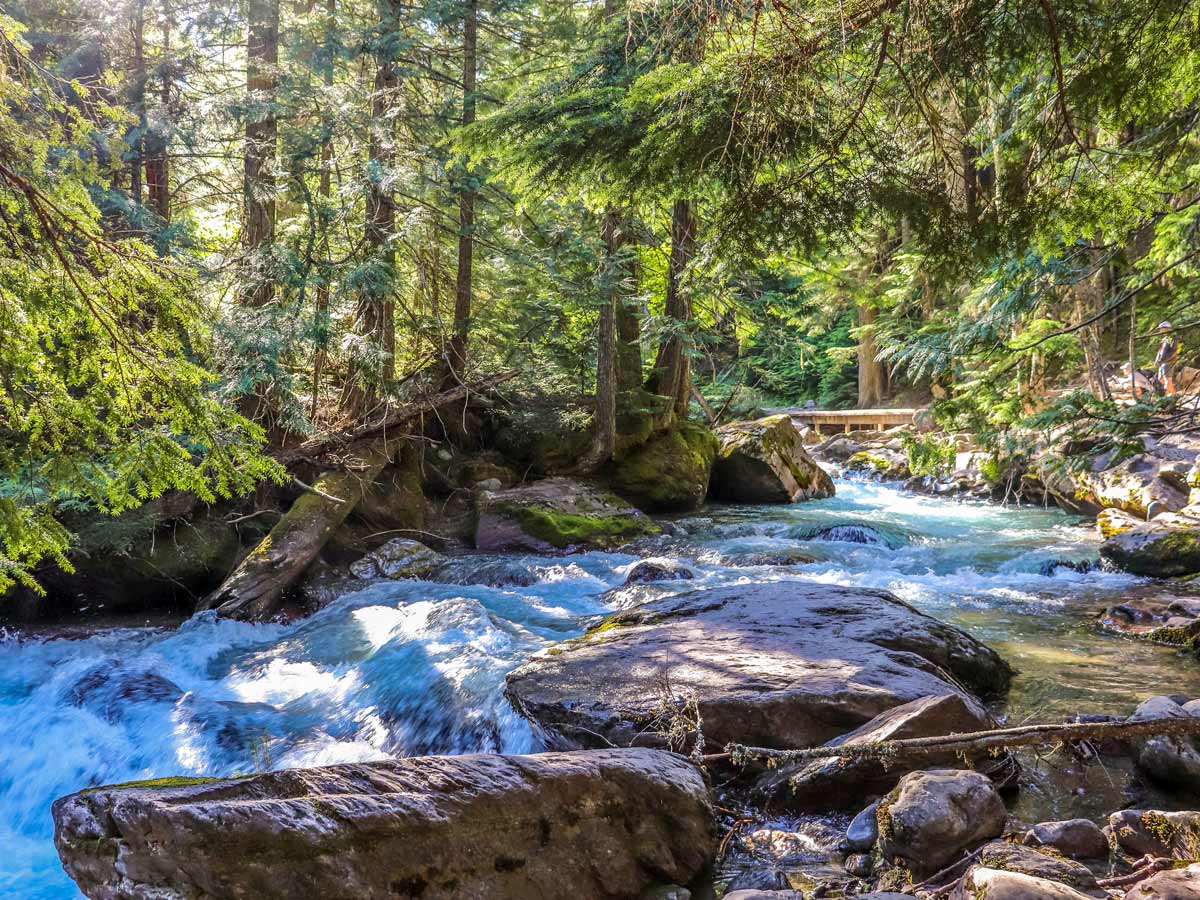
{"x":970,"y":743}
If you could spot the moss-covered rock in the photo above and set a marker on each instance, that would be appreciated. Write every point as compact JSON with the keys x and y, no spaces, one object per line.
{"x":764,"y":461}
{"x":555,"y":514}
{"x":669,"y":472}
{"x":1115,"y":521}
{"x":1167,"y":546}
{"x":884,"y":463}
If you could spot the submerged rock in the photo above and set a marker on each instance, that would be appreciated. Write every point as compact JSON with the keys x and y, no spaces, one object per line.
{"x":782,"y":664}
{"x":670,"y":472}
{"x":609,"y":823}
{"x":932,"y":817}
{"x":1168,"y":759}
{"x":649,"y":570}
{"x":765,"y":462}
{"x":1166,"y":546}
{"x":769,"y":558}
{"x":555,"y":514}
{"x":835,"y":783}
{"x":399,"y":558}
{"x":492,"y":571}
{"x":849,"y":534}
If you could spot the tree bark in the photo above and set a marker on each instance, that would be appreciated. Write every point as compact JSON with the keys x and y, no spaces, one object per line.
{"x":261,"y":137}
{"x":255,"y":589}
{"x":376,"y":307}
{"x":324,"y":191}
{"x":138,"y":27}
{"x":158,"y":138}
{"x":456,"y":356}
{"x":871,"y":374}
{"x":672,"y":370}
{"x":605,"y":441}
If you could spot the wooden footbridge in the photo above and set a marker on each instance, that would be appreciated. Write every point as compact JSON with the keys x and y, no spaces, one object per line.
{"x":823,"y":420}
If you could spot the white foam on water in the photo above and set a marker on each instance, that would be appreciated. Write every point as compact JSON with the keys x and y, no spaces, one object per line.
{"x":413,"y":667}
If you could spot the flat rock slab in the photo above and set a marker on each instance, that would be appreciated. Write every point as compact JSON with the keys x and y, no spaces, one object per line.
{"x":608,"y":823}
{"x":782,"y":664}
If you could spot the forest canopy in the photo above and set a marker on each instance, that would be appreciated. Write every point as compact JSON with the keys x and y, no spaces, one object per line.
{"x":229,"y":227}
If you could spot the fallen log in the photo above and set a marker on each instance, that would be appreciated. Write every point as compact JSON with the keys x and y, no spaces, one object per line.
{"x":254,"y":590}
{"x":393,"y":419}
{"x":968,"y":743}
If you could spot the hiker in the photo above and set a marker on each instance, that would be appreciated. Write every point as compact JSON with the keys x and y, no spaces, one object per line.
{"x":1167,"y":359}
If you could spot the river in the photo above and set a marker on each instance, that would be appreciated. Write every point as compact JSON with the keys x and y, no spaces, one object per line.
{"x":408,"y":668}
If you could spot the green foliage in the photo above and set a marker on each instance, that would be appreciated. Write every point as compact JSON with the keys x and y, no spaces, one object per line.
{"x":928,"y":455}
{"x":103,"y":399}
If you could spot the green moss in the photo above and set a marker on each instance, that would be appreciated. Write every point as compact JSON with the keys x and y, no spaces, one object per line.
{"x":1186,"y":636}
{"x":562,"y":530}
{"x":1158,"y":826}
{"x":168,"y":782}
{"x":670,"y":472}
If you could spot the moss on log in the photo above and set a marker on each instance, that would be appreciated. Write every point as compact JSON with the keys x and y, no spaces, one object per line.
{"x":255,"y":588}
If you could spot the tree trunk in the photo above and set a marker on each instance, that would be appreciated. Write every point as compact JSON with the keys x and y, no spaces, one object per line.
{"x":606,"y":346}
{"x":457,"y":351}
{"x":376,"y":308}
{"x":138,"y":27}
{"x":871,"y":374}
{"x":261,"y":136}
{"x":255,"y":588}
{"x":324,"y":191}
{"x":672,"y":370}
{"x":158,"y":139}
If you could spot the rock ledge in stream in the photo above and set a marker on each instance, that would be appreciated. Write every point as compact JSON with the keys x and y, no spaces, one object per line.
{"x":609,"y":824}
{"x":782,"y":664}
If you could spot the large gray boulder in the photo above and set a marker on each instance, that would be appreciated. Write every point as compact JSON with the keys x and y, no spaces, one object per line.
{"x":932,"y":817}
{"x":835,"y":783}
{"x":554,"y":514}
{"x":764,"y":461}
{"x":609,"y":824}
{"x":782,"y":664}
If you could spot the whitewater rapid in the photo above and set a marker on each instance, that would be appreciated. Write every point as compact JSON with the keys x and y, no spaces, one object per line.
{"x":411,"y":668}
